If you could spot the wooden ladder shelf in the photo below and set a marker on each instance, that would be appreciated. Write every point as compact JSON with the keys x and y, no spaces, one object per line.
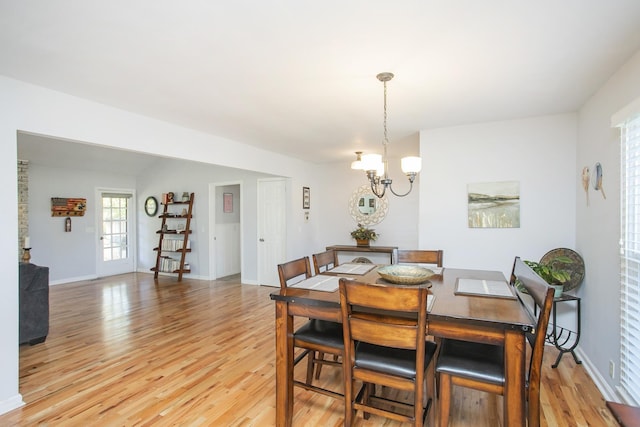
{"x":181,"y":246}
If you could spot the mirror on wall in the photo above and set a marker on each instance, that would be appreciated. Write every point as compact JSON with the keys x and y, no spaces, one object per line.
{"x":367,"y":209}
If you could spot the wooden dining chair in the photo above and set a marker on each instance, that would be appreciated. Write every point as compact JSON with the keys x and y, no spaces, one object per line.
{"x":324,"y":261}
{"x":420,"y":257}
{"x":387,"y":348}
{"x":481,"y":366}
{"x":316,"y":337}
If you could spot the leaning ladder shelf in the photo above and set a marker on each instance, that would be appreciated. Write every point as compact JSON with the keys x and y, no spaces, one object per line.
{"x":180,"y":246}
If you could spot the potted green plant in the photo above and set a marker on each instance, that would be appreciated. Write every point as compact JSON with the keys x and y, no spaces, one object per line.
{"x":364,"y":235}
{"x":553,"y":273}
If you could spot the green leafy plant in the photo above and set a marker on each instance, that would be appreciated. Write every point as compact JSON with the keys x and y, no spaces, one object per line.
{"x":364,"y":233}
{"x":552,"y":273}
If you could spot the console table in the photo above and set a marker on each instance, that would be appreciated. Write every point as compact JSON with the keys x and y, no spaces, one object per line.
{"x":391,"y":250}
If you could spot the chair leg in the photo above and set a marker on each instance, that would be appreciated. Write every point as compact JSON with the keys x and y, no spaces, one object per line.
{"x":319,"y":368}
{"x":419,"y":399}
{"x":533,"y":410}
{"x":445,"y":399}
{"x":349,"y":413}
{"x":369,"y":390}
{"x":310,"y":365}
{"x":430,"y":393}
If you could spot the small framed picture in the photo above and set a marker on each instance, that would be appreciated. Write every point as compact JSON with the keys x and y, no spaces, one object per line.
{"x":227,"y":199}
{"x":306,"y":198}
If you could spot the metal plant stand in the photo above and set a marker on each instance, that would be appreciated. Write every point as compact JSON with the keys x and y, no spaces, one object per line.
{"x":565,"y":340}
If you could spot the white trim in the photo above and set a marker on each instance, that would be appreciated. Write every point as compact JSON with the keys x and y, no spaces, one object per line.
{"x":73,"y":279}
{"x":631,"y":109}
{"x":608,"y":393}
{"x":11,"y":404}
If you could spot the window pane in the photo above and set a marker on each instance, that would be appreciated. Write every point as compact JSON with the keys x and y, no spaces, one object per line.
{"x":630,"y":260}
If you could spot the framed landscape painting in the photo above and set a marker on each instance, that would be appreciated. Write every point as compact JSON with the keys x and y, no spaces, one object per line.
{"x":494,"y":204}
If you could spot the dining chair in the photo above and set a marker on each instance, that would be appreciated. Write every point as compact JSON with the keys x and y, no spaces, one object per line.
{"x":385,"y":344}
{"x":316,"y":337}
{"x":324,"y":261}
{"x":482,"y":367}
{"x":420,"y":257}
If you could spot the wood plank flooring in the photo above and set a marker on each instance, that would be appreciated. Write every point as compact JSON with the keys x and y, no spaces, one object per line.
{"x":125,"y":351}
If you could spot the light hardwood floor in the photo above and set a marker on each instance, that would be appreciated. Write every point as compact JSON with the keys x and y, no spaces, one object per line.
{"x":125,"y":351}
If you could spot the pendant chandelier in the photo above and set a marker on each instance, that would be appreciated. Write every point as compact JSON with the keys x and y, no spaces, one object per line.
{"x":376,"y":165}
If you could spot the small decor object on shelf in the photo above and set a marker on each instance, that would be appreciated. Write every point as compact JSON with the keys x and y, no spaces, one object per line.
{"x":170,"y":197}
{"x":363,"y":235}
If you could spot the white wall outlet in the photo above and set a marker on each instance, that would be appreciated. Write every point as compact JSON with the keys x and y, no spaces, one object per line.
{"x":612,"y":369}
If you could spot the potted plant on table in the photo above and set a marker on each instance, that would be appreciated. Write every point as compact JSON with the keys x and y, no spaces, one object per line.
{"x":553,"y":273}
{"x":364,"y":235}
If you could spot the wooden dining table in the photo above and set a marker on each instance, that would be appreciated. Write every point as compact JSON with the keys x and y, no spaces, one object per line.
{"x":451,"y":315}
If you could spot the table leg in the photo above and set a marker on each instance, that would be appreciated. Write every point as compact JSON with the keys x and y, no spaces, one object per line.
{"x":514,"y":393}
{"x":284,"y":365}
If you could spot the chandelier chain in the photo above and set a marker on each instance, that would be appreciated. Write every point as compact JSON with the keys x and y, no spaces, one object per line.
{"x":380,"y":183}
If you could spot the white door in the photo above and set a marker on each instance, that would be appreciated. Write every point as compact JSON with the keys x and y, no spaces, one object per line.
{"x":271,"y":229}
{"x":116,"y":246}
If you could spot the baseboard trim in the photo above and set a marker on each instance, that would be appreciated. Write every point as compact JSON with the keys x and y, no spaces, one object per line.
{"x":11,"y":404}
{"x":72,"y":279}
{"x":607,"y":392}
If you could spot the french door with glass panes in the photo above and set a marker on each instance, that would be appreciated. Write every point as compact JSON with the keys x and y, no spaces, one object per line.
{"x":116,"y":243}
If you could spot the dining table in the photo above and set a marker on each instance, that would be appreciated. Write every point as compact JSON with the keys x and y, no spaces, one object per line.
{"x":469,"y":316}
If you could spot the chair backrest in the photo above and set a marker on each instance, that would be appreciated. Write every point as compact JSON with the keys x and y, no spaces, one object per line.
{"x":294,"y":271}
{"x":390,"y":316}
{"x":421,"y":256}
{"x":325,"y":261}
{"x":542,"y":295}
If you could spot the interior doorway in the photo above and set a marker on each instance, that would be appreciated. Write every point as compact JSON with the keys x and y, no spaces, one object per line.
{"x":225,"y":223}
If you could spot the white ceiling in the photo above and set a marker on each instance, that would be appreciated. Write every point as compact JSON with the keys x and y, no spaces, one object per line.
{"x":298,"y":77}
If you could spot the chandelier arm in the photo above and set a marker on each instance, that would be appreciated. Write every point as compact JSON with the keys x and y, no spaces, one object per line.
{"x":402,"y":195}
{"x":374,"y":189}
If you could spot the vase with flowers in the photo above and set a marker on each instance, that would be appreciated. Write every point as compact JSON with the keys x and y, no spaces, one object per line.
{"x":364,"y":235}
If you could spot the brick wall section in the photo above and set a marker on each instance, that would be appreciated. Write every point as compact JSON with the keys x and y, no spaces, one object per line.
{"x":23,"y":203}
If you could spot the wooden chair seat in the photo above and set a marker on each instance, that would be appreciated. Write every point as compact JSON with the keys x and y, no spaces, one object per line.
{"x":320,"y":333}
{"x":475,"y":361}
{"x":397,"y":361}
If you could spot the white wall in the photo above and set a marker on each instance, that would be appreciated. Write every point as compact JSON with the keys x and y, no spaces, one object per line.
{"x":538,"y":152}
{"x":598,"y":225}
{"x":29,"y":108}
{"x":69,"y":256}
{"x":179,"y":176}
{"x":330,"y":203}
